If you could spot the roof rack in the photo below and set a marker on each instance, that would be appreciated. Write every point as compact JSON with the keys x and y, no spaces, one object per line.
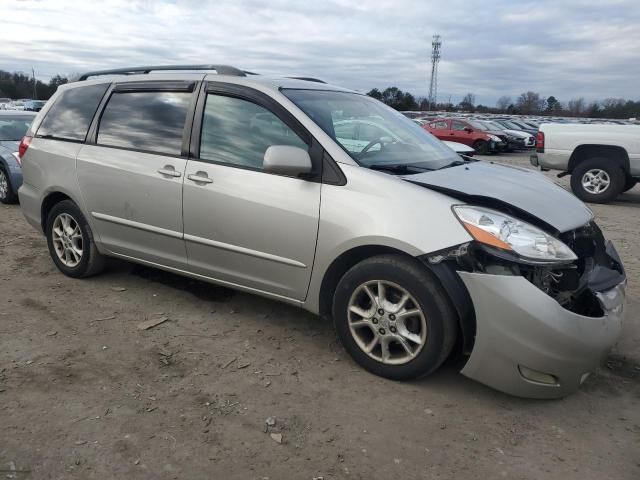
{"x":308,"y":79}
{"x":220,"y":69}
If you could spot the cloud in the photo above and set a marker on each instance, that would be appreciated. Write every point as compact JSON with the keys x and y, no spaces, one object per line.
{"x":564,"y":48}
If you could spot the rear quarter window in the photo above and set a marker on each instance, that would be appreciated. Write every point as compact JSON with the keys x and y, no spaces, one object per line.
{"x":70,"y":116}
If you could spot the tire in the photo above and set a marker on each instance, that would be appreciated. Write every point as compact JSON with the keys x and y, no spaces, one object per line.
{"x":629,"y":184}
{"x":90,"y":261}
{"x":611,"y":177}
{"x":7,"y":194}
{"x":426,"y":294}
{"x":481,"y":147}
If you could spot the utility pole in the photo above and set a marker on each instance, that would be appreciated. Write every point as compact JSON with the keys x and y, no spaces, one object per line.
{"x":35,"y":91}
{"x":436,"y":43}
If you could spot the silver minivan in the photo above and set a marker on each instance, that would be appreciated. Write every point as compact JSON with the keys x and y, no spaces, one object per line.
{"x":286,"y":188}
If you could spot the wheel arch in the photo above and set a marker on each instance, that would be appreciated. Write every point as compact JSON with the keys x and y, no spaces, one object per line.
{"x":448,"y":278}
{"x":341,"y":264}
{"x":587,"y":151}
{"x":49,"y":201}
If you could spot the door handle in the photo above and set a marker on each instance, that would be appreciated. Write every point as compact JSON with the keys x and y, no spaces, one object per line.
{"x":169,"y":171}
{"x":199,"y":177}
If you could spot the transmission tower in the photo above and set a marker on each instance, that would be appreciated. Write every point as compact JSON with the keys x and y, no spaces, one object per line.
{"x":436,"y":43}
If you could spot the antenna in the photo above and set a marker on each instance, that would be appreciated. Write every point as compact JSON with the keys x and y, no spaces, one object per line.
{"x":436,"y":43}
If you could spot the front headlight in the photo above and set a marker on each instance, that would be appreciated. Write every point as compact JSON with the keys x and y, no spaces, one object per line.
{"x":502,"y":231}
{"x":495,"y":138}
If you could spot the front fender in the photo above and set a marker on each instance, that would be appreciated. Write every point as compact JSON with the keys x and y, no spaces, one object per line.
{"x":378,"y":209}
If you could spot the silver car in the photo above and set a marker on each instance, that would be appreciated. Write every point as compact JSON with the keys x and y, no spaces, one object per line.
{"x":241,"y":180}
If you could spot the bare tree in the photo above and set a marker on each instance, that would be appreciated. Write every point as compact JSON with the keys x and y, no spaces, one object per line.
{"x":468,"y":101}
{"x":530,"y":102}
{"x":503,"y":103}
{"x":610,"y":103}
{"x":576,"y":106}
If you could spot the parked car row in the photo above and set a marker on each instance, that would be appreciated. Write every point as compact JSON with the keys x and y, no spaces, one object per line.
{"x":484,"y":136}
{"x":24,"y":104}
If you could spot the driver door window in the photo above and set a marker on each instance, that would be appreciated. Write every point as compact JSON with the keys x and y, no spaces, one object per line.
{"x":458,"y":126}
{"x":238,"y":132}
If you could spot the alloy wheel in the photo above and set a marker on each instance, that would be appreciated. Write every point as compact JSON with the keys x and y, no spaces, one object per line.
{"x":596,"y":181}
{"x":386,"y":322}
{"x":4,"y":185}
{"x":67,"y":240}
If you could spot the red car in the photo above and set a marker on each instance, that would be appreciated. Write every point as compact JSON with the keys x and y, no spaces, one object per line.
{"x":463,"y":132}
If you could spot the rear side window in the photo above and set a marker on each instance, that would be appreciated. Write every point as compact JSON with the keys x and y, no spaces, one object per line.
{"x":439,"y":125}
{"x":70,"y":116}
{"x":148,"y":121}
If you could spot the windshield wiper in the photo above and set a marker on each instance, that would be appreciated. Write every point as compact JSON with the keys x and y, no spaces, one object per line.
{"x":457,"y":163}
{"x":401,"y":168}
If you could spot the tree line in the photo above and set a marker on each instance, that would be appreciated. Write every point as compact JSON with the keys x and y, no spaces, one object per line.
{"x":527,"y":103}
{"x":19,"y":85}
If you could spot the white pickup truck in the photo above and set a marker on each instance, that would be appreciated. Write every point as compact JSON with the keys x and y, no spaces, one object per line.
{"x":603,"y":160}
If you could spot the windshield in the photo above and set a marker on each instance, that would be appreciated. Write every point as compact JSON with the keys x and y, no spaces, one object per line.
{"x":373,"y":134}
{"x":510,"y":125}
{"x":494,"y":125}
{"x":13,"y":128}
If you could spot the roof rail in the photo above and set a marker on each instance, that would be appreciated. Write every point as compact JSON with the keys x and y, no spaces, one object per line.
{"x":308,"y":79}
{"x":220,"y":69}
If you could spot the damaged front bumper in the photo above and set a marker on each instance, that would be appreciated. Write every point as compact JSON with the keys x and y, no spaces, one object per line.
{"x":531,"y":329}
{"x":528,"y":345}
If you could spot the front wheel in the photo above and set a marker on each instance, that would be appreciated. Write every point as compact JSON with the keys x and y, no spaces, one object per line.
{"x":393,"y":317}
{"x":481,"y":147}
{"x":597,"y":180}
{"x":70,"y":241}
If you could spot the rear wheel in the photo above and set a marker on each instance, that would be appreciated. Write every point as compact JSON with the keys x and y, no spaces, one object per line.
{"x":7,"y":195}
{"x":481,"y":147}
{"x":70,"y":241}
{"x":393,"y":317}
{"x":597,"y":180}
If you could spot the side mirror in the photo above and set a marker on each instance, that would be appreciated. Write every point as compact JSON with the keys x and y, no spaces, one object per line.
{"x":287,"y":160}
{"x":468,"y":130}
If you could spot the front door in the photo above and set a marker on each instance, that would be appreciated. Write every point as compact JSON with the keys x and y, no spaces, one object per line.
{"x":242,"y":225}
{"x":459,"y":133}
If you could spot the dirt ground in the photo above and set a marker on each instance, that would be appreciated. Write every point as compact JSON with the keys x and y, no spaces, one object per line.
{"x":86,"y":394}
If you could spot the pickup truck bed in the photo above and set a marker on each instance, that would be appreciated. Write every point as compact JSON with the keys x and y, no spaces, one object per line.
{"x":603,"y":160}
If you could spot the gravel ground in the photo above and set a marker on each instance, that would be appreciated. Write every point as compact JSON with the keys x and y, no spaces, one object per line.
{"x":86,"y":394}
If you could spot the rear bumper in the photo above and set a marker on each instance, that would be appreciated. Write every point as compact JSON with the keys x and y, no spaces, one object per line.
{"x":30,"y":202}
{"x":521,"y":329}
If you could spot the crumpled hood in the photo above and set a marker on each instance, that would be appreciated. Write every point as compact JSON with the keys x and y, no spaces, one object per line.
{"x":527,"y":191}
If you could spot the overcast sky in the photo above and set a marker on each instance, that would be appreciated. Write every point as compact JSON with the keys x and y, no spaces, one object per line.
{"x":566,"y":48}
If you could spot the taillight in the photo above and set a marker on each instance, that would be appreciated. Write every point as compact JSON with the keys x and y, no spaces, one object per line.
{"x":540,"y":142}
{"x":24,"y":145}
